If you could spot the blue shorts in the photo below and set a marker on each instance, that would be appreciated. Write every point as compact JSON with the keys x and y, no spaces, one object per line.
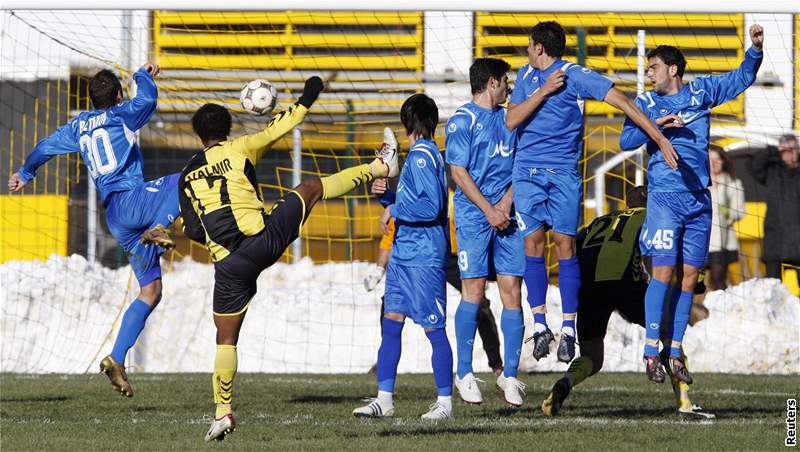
{"x":479,"y":246}
{"x":677,"y":228}
{"x":130,"y":213}
{"x":549,"y":197}
{"x":417,"y":293}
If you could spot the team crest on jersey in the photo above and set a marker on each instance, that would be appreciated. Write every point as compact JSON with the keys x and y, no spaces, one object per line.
{"x":433,"y":318}
{"x":586,"y":70}
{"x":663,"y":111}
{"x":452,"y":127}
{"x":479,"y":126}
{"x":421,"y":162}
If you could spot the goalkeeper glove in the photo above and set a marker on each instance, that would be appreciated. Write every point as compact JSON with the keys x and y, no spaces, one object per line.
{"x":311,"y":91}
{"x":372,"y":280}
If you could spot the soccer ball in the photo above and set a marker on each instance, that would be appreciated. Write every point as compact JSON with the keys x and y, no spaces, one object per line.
{"x":258,"y":97}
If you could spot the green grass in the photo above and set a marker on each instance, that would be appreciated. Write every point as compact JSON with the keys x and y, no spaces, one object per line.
{"x":312,"y":412}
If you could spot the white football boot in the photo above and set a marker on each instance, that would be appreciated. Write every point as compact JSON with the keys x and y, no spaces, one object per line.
{"x":375,"y":408}
{"x":468,"y":389}
{"x":221,"y":427}
{"x":514,"y":391}
{"x":388,"y":152}
{"x":438,"y":411}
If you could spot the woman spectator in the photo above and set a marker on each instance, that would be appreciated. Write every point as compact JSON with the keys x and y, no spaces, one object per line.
{"x":727,"y":203}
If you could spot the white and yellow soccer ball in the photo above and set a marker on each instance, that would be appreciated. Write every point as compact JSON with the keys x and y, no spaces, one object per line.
{"x":258,"y":97}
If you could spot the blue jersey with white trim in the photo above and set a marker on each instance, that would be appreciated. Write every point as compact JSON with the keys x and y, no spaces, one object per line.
{"x":552,"y":136}
{"x":422,"y":234}
{"x":107,"y":140}
{"x":478,"y":141}
{"x":693,"y":103}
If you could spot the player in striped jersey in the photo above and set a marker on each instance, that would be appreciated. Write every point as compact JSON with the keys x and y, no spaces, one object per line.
{"x":222,"y":208}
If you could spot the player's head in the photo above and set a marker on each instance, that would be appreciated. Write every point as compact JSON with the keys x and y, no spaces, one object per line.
{"x":490,"y":76}
{"x":212,"y":122}
{"x":636,"y":197}
{"x":789,"y":148}
{"x":665,"y":66}
{"x":419,"y":116}
{"x":546,"y":39}
{"x":105,"y":90}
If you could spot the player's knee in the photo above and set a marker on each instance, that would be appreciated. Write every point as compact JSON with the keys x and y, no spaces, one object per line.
{"x":472,"y":289}
{"x":311,"y":190}
{"x":663,"y":273}
{"x":151,"y":293}
{"x":535,"y":243}
{"x":565,"y":245}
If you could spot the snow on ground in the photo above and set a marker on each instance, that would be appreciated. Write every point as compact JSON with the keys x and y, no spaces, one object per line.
{"x":62,"y":315}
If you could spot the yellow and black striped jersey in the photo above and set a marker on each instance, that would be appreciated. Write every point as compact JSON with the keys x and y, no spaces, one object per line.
{"x":219,"y":196}
{"x":608,"y":248}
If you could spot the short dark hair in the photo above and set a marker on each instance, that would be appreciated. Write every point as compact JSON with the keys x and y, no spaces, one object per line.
{"x":485,"y":68}
{"x":636,"y":197}
{"x":551,"y":35}
{"x":212,"y":122}
{"x":419,"y":115}
{"x":669,"y":55}
{"x":104,"y":88}
{"x":788,"y":138}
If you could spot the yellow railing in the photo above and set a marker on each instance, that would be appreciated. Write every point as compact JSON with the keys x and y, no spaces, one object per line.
{"x":270,"y":40}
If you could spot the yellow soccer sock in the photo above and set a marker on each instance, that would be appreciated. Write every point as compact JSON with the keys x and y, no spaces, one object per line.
{"x":344,"y":181}
{"x":581,"y":369}
{"x":224,"y":372}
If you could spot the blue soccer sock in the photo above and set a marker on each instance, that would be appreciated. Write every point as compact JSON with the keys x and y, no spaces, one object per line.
{"x":466,"y":325}
{"x":513,"y":326}
{"x":389,"y":353}
{"x":680,"y":321}
{"x":536,"y":282}
{"x":132,"y":325}
{"x":653,"y":310}
{"x":441,"y":361}
{"x":569,"y":282}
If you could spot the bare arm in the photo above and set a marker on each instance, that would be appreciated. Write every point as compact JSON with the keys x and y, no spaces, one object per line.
{"x":517,"y":113}
{"x":616,"y":98}
{"x":497,"y":219}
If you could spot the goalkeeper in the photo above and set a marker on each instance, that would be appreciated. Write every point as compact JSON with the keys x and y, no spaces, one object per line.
{"x":222,"y":208}
{"x":612,"y":278}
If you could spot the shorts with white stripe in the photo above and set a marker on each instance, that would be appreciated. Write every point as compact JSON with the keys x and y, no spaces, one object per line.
{"x":417,"y":293}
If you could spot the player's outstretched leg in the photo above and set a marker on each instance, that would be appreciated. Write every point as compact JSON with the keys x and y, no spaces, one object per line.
{"x":339,"y":184}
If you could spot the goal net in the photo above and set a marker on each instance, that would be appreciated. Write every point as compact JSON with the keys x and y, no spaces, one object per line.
{"x":66,"y":282}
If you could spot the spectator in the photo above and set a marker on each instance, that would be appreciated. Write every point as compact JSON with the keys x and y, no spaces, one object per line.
{"x":779,"y":173}
{"x":727,"y":205}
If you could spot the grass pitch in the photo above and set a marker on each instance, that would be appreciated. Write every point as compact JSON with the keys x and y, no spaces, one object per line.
{"x":312,"y":412}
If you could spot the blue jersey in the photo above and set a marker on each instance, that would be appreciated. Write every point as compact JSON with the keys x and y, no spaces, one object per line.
{"x":107,"y":140}
{"x":552,"y":136}
{"x":693,"y":103}
{"x":422,"y":236}
{"x":478,"y":141}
